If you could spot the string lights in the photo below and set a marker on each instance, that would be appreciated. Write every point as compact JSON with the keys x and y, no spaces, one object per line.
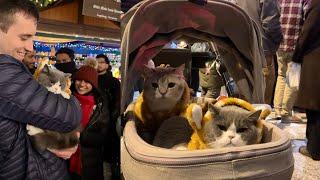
{"x":43,"y":3}
{"x":81,"y":50}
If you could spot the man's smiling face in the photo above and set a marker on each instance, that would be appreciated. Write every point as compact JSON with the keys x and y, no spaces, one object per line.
{"x":18,"y":39}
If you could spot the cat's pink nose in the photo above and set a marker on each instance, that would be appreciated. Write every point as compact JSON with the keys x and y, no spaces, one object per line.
{"x":231,"y":136}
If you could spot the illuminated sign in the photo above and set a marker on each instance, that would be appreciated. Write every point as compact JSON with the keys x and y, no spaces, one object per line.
{"x":106,"y":9}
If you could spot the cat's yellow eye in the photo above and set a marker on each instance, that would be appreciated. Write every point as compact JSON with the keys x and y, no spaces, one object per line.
{"x":241,"y":130}
{"x":171,"y":85}
{"x":222,"y":128}
{"x":154,"y":85}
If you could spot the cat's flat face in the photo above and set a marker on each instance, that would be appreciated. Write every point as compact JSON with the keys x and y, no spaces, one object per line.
{"x":232,"y":127}
{"x":163,"y":88}
{"x":53,"y":78}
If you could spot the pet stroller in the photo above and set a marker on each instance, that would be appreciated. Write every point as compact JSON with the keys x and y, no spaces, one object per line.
{"x":151,"y":24}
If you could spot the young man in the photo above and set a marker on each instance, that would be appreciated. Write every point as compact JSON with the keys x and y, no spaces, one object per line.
{"x":110,"y":86}
{"x":23,"y":101}
{"x":29,"y":60}
{"x":292,"y":14}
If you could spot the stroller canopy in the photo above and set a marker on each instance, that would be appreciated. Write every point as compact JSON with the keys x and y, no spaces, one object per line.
{"x":151,"y":24}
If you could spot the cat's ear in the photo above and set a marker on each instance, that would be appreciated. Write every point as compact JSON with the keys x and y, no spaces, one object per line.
{"x":67,"y":75}
{"x":46,"y":69}
{"x":147,"y":71}
{"x":214,"y":109}
{"x":179,"y":70}
{"x":254,"y":116}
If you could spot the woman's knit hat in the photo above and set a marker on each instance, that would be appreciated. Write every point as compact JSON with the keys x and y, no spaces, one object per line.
{"x":88,"y":74}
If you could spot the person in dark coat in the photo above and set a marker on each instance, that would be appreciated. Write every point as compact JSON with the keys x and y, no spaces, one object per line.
{"x":87,"y":162}
{"x":110,"y":86}
{"x":307,"y":53}
{"x":24,"y":101}
{"x":266,"y":15}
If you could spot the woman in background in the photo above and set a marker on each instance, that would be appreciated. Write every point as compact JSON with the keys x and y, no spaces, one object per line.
{"x":87,"y":162}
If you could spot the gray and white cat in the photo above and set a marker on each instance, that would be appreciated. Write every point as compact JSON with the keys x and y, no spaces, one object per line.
{"x":232,"y":126}
{"x":55,"y":81}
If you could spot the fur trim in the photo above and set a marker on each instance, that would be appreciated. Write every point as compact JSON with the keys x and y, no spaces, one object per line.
{"x":91,"y":62}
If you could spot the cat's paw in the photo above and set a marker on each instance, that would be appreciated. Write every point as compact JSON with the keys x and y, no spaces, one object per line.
{"x":65,"y":95}
{"x":180,"y":147}
{"x":130,"y":107}
{"x":68,"y":91}
{"x":197,"y":115}
{"x":129,"y":113}
{"x":33,"y":130}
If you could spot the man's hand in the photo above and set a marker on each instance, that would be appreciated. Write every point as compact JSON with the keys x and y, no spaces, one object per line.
{"x":65,"y":153}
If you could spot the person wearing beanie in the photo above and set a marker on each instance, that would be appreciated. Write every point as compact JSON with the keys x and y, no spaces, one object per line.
{"x":110,"y":86}
{"x":87,"y":162}
{"x":87,"y":74}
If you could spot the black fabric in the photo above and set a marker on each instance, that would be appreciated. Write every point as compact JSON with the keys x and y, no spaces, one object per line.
{"x":75,"y":176}
{"x":110,"y":86}
{"x":127,"y":4}
{"x":32,"y":70}
{"x":309,"y":36}
{"x":199,"y":2}
{"x":69,"y":67}
{"x":92,"y":140}
{"x":313,"y":133}
{"x":23,"y":100}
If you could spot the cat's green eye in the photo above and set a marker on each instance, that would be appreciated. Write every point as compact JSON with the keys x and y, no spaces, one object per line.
{"x":154,"y":85}
{"x":171,"y":85}
{"x":241,"y":130}
{"x":222,"y":128}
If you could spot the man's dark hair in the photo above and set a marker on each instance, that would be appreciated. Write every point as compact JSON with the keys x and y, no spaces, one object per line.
{"x":106,"y":59}
{"x":8,"y":9}
{"x":68,"y":51}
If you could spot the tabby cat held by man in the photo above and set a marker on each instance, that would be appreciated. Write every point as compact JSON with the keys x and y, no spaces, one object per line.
{"x":59,"y":83}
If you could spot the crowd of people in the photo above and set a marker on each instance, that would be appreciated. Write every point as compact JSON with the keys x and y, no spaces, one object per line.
{"x":290,"y":34}
{"x":94,"y":105}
